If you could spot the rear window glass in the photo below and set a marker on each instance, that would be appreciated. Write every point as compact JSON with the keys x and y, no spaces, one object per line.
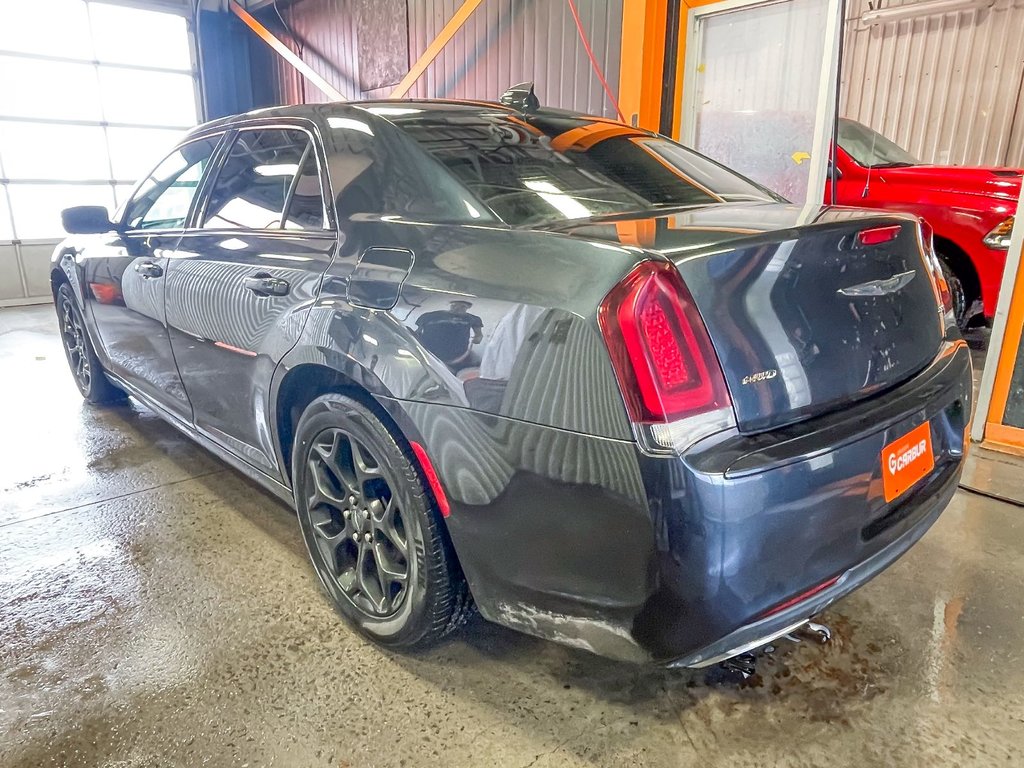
{"x":531,"y":173}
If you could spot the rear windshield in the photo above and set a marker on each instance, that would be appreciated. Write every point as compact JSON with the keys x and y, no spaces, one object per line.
{"x":537,"y":172}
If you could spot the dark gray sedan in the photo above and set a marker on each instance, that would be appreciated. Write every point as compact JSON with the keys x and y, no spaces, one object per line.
{"x":607,"y":390}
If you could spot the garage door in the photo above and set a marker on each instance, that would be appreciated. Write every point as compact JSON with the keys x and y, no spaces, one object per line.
{"x":91,"y":93}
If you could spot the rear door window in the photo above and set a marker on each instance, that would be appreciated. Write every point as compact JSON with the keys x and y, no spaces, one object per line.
{"x":269,"y":180}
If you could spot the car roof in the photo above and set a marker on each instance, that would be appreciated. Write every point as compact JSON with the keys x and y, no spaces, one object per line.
{"x":426,"y":110}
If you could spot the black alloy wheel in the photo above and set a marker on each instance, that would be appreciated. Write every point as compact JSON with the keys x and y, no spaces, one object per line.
{"x":73,"y":335}
{"x":358,"y":523}
{"x":372,"y":528}
{"x":85,"y":366}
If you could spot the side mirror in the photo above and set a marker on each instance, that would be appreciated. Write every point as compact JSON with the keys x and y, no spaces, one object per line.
{"x":833,"y":169}
{"x":86,"y":220}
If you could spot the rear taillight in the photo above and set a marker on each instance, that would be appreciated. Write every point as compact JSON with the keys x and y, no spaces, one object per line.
{"x":662,"y":354}
{"x":935,"y":267}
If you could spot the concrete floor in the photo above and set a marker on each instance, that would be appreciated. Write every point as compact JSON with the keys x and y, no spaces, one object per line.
{"x":158,"y":609}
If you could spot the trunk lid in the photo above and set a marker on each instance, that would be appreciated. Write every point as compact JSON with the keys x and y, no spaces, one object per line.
{"x":804,"y":318}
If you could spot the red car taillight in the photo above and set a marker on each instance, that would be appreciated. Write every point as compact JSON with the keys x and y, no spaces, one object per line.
{"x":878,"y":235}
{"x":662,"y":354}
{"x":939,"y":279}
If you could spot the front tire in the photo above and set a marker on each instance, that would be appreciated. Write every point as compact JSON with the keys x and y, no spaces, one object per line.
{"x":371,"y":528}
{"x":85,"y":366}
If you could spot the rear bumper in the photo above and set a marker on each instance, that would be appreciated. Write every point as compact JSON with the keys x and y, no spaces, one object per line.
{"x":753,"y":521}
{"x":760,"y":632}
{"x":679,"y":559}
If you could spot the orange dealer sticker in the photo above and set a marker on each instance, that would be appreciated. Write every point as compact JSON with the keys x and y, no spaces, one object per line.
{"x":906,"y":460}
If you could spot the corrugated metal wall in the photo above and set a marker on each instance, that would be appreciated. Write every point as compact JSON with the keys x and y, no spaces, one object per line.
{"x":510,"y":41}
{"x":946,"y":87}
{"x":503,"y":42}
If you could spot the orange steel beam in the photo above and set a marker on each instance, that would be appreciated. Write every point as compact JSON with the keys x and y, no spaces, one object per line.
{"x":447,"y":33}
{"x":642,"y":61}
{"x":285,"y":52}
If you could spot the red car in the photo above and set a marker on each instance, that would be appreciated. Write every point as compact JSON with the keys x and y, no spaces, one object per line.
{"x":969,"y":209}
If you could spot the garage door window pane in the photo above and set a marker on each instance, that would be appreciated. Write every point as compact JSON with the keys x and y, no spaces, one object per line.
{"x":48,"y":89}
{"x":37,"y":207}
{"x":6,"y":233}
{"x":148,"y":98}
{"x":133,"y":151}
{"x":134,"y":36}
{"x":53,"y":27}
{"x":46,"y":151}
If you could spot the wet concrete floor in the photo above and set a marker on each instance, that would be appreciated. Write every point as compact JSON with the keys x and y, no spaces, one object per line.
{"x":156,"y":608}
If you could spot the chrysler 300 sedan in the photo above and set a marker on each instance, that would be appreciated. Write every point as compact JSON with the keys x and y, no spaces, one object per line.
{"x":564,"y":369}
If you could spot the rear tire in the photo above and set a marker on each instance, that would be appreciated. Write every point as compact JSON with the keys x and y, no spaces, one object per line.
{"x":372,"y":530}
{"x":86,"y":369}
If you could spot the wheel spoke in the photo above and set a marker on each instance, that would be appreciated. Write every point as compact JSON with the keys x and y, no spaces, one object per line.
{"x":323,"y":493}
{"x":387,"y":568}
{"x":387,"y":526}
{"x":333,"y":457}
{"x":329,"y":536}
{"x":329,"y":451}
{"x":347,"y":581}
{"x":364,"y":471}
{"x":369,"y":584}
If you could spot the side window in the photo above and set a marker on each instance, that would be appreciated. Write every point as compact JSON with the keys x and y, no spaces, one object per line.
{"x":306,"y":207}
{"x":267,"y":172}
{"x":376,"y":169}
{"x":164,"y":197}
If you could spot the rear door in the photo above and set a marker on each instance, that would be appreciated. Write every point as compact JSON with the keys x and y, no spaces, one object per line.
{"x":241,"y":281}
{"x":126,"y":279}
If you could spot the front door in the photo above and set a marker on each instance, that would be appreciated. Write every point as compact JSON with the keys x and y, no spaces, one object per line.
{"x":241,"y":282}
{"x":125,"y":284}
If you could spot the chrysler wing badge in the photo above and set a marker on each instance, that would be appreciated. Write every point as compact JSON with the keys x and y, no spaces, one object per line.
{"x":879,"y":287}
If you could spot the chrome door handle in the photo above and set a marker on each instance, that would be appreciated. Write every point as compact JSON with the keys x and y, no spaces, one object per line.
{"x":263,"y":284}
{"x":149,"y":269}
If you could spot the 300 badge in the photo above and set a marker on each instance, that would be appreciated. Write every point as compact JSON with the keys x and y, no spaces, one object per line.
{"x":761,"y":376}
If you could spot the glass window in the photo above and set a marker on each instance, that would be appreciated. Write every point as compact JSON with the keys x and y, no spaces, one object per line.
{"x":164,"y":197}
{"x":726,"y":184}
{"x":136,"y":36}
{"x":134,"y":150}
{"x":254,"y":183}
{"x":37,"y":207}
{"x":306,"y":207}
{"x":535,"y":173}
{"x":48,"y":89}
{"x":52,"y":27}
{"x":147,"y":98}
{"x":122,"y":192}
{"x":6,"y":232}
{"x":57,"y":114}
{"x":377,"y":170}
{"x":871,"y":149}
{"x":48,"y":151}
